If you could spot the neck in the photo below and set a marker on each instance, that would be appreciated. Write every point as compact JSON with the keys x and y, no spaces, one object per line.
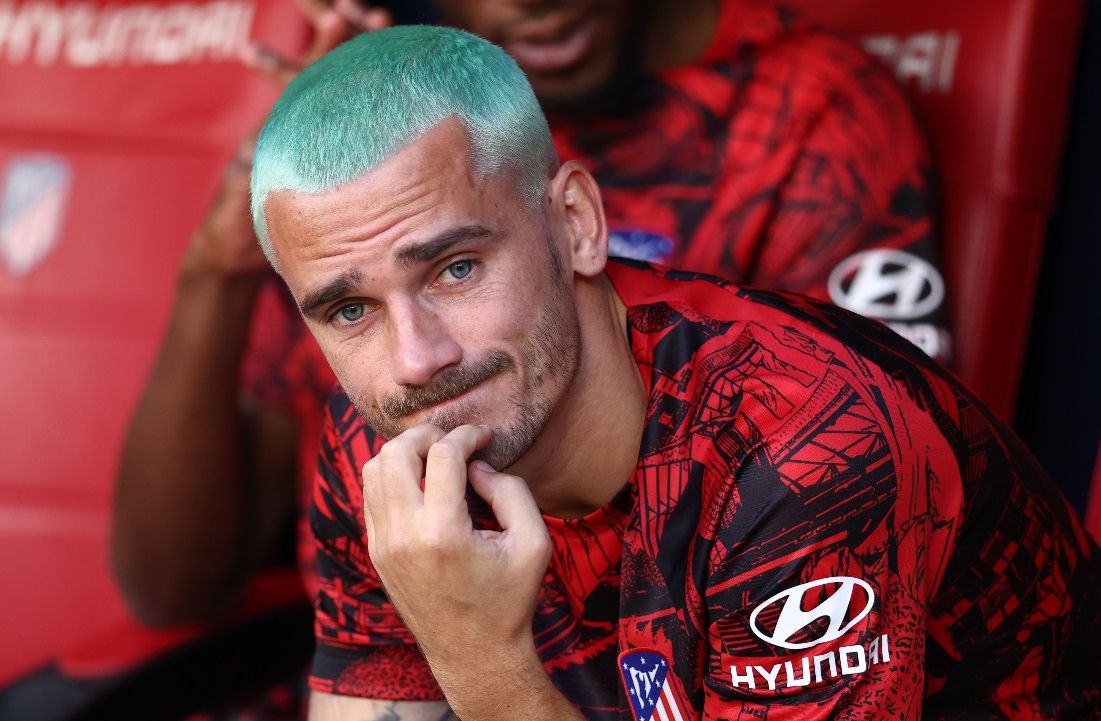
{"x":589,"y":447}
{"x":677,"y":33}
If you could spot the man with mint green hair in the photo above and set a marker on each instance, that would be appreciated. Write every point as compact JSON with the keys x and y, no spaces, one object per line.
{"x":557,"y":487}
{"x":394,"y":175}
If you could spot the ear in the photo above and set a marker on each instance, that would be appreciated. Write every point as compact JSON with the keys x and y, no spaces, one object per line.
{"x":578,"y":211}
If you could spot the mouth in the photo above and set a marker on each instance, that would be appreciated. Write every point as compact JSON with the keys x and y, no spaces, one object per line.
{"x":554,"y":48}
{"x":423,"y":409}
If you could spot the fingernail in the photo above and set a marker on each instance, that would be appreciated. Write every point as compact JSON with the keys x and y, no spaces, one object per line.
{"x":331,"y":19}
{"x":483,"y":466}
{"x":350,"y":10}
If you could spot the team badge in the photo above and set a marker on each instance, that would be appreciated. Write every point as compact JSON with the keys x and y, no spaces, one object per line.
{"x":640,"y":245}
{"x":32,"y":203}
{"x":648,"y":684}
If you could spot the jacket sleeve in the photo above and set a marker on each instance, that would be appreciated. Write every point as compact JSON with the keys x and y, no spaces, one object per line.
{"x":824,"y":562}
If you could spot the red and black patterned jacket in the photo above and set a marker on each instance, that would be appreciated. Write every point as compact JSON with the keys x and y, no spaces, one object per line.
{"x":822,"y":524}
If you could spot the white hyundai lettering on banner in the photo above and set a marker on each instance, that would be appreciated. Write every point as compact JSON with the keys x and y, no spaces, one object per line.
{"x":87,"y":35}
{"x":886,"y":284}
{"x":929,"y":58}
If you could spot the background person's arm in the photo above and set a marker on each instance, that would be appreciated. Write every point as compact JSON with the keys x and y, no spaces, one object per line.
{"x":205,"y":485}
{"x":190,"y":523}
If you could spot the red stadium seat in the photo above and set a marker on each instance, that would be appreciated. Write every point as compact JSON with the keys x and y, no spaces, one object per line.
{"x":1093,"y":508}
{"x":117,"y":119}
{"x":991,"y":81}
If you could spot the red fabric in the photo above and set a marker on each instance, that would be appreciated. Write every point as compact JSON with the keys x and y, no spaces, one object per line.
{"x":789,"y":447}
{"x":284,"y":368}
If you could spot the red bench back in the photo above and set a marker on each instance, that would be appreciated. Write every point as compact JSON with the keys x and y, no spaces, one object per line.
{"x":116,"y":120}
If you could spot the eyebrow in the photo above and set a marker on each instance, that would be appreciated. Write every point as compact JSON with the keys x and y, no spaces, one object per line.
{"x":337,"y":288}
{"x":431,"y":249}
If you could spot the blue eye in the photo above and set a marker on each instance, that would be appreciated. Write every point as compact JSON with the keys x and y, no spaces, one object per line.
{"x":351,"y":312}
{"x":460,"y":269}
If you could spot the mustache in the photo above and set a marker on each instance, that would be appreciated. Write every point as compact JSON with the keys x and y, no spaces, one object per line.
{"x":449,"y":383}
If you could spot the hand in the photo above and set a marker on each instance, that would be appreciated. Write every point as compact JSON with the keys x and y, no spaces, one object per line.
{"x":225,"y":244}
{"x":333,"y":23}
{"x":464,"y":593}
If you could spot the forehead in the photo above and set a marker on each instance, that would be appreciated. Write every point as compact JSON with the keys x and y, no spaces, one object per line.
{"x":423,"y":188}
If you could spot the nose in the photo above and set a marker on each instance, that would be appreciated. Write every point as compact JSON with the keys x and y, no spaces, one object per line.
{"x":420,"y":344}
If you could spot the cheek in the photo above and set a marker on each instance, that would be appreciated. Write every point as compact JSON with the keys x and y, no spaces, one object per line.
{"x":356,"y":365}
{"x":496,"y":312}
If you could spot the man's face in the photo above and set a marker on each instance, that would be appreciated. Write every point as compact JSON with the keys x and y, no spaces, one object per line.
{"x":436,"y":296}
{"x":569,"y":49}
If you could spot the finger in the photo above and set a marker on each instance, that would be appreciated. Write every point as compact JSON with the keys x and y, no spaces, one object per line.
{"x":368,"y":521}
{"x":330,"y":30}
{"x":363,"y":16}
{"x":510,"y":500}
{"x":240,"y":167}
{"x":391,"y":480}
{"x":313,"y":9}
{"x":269,"y":63}
{"x":445,"y":469}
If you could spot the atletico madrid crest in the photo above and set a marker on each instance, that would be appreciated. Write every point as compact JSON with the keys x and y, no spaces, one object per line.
{"x":33,"y":196}
{"x":648,"y":682}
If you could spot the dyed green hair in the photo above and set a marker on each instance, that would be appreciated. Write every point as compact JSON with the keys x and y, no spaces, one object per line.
{"x":355,"y":107}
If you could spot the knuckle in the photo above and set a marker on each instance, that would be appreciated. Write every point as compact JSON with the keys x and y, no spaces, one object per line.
{"x":540,"y":548}
{"x":405,"y":547}
{"x":445,"y":449}
{"x":389,"y":451}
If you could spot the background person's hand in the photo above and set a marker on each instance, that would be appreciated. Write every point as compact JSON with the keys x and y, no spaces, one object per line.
{"x":333,"y":23}
{"x":225,"y":243}
{"x":465,"y":593}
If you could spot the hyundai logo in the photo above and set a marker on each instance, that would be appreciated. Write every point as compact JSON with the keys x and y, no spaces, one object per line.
{"x":886,"y":284}
{"x":793,"y":618}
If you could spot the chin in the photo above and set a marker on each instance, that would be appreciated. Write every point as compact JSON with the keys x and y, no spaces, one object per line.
{"x":577,"y":89}
{"x":604,"y":90}
{"x":504,"y":450}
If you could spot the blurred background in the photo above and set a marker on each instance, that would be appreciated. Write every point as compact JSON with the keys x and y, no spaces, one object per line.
{"x":118,"y":118}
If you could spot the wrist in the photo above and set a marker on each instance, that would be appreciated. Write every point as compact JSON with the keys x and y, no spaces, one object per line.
{"x":199,"y":271}
{"x":503,"y":685}
{"x":210,"y":260}
{"x":211,"y":315}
